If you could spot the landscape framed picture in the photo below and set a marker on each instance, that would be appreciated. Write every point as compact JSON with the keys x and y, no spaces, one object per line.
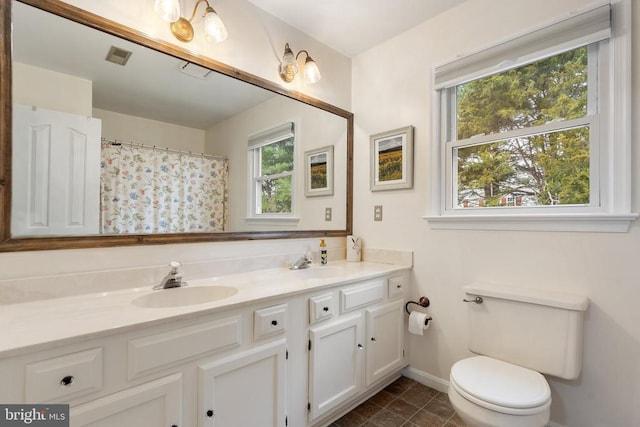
{"x":318,"y":177}
{"x":392,"y":159}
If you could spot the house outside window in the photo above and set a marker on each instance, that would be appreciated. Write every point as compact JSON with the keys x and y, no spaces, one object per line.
{"x":532,"y":132}
{"x":271,"y":173}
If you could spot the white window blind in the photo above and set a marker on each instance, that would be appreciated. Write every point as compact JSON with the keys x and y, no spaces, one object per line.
{"x":269,"y":136}
{"x":566,"y":34}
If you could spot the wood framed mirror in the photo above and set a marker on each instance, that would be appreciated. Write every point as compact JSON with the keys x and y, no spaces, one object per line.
{"x":309,"y":115}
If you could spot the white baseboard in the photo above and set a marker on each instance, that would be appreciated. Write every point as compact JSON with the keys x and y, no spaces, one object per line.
{"x":426,"y":379}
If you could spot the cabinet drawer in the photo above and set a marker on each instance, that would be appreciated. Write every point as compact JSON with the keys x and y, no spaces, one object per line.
{"x":58,"y":378}
{"x":397,"y":285}
{"x":269,"y":321}
{"x":321,"y":308}
{"x":156,"y":351}
{"x":362,"y":295}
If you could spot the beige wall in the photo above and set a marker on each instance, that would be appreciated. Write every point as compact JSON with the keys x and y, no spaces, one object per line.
{"x":603,"y":266}
{"x":62,"y":92}
{"x":54,"y":91}
{"x":315,"y":128}
{"x":124,"y":127}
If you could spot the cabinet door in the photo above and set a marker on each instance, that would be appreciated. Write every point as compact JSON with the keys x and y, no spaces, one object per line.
{"x":335,"y":363}
{"x":385,"y":339}
{"x":154,"y":404}
{"x":244,"y":390}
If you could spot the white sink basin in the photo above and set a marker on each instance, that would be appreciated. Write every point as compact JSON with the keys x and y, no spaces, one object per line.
{"x":318,"y":272}
{"x":180,"y":297}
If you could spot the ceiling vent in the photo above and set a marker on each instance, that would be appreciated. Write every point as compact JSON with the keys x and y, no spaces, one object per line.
{"x":194,"y":70}
{"x":118,"y":56}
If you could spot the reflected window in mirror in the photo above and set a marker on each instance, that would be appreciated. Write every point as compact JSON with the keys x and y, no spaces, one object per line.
{"x":272,"y":165}
{"x":58,"y":48}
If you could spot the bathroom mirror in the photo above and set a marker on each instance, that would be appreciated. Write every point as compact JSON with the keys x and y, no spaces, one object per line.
{"x":202,"y":109}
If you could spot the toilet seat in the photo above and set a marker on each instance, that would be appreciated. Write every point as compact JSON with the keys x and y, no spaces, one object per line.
{"x":501,"y":386}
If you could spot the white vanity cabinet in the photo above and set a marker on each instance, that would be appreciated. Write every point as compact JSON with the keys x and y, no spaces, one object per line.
{"x":156,"y":403}
{"x":385,"y":340}
{"x":335,"y":363}
{"x":244,"y":390}
{"x":247,"y":388}
{"x":295,"y":360}
{"x":361,"y":347}
{"x":91,"y":378}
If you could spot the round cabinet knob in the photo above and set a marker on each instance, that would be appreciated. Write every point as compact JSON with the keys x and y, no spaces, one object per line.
{"x":325,"y":308}
{"x":210,"y":413}
{"x":274,"y":322}
{"x":67,"y":381}
{"x":360,"y":347}
{"x":373,"y":339}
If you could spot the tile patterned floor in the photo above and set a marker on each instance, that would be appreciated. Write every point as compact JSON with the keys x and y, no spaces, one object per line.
{"x":405,"y":403}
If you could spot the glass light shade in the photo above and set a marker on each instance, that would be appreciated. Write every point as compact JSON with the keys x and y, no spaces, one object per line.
{"x":168,"y":10}
{"x":214,"y":29}
{"x":311,"y":71}
{"x":288,"y":66}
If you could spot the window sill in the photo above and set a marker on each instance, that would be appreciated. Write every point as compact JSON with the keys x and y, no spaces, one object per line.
{"x":603,"y":223}
{"x":272,"y":220}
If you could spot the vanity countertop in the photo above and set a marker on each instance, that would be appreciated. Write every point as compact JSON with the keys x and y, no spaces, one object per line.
{"x":33,"y":325}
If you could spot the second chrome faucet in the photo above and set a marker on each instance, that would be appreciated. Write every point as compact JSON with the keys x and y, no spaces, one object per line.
{"x":302,"y":263}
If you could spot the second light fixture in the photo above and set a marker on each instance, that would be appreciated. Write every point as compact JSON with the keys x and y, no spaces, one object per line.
{"x":289,"y":66}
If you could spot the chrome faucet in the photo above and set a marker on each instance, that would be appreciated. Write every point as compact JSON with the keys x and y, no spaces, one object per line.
{"x":302,"y":263}
{"x":173,"y":279}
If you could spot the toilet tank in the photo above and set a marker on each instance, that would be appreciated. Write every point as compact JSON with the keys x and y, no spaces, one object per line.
{"x":540,"y":330}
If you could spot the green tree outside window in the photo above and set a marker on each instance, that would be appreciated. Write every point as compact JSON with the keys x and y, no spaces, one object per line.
{"x":540,"y":169}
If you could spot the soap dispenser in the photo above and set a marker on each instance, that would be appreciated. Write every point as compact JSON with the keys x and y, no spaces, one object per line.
{"x":323,"y":252}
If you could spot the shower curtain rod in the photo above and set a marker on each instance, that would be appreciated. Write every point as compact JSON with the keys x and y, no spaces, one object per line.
{"x":153,"y":147}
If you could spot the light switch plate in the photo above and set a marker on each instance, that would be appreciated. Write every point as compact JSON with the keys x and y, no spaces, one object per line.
{"x":377,"y":213}
{"x":327,"y":214}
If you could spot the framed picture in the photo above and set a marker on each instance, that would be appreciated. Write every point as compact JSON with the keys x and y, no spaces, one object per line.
{"x":318,"y":177}
{"x":392,"y":159}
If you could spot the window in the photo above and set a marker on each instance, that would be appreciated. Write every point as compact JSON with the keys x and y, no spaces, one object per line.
{"x":535,"y":142}
{"x":271,"y":169}
{"x":525,"y":134}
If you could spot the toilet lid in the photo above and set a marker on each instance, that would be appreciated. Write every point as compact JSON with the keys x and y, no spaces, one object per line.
{"x":500,"y":383}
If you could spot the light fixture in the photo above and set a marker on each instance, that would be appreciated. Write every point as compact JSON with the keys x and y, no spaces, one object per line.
{"x":169,"y":10}
{"x":289,"y":66}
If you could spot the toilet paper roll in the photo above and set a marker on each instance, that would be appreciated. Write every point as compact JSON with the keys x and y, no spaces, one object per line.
{"x":417,"y":322}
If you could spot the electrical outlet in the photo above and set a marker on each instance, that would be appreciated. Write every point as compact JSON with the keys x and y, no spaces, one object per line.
{"x":327,"y":214}
{"x":377,"y":213}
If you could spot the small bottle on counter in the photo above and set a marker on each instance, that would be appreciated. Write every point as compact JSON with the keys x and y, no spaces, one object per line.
{"x":323,"y":252}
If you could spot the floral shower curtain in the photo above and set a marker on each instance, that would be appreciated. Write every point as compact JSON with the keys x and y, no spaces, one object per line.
{"x":154,"y":190}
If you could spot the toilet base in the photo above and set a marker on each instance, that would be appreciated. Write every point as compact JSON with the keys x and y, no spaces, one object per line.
{"x":476,"y":416}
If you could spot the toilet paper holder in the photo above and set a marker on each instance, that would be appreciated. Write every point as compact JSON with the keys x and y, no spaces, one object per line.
{"x":422,"y":302}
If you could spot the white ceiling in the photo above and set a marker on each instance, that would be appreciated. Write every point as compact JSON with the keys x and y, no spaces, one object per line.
{"x":353,"y":26}
{"x":150,"y":85}
{"x":348,"y":26}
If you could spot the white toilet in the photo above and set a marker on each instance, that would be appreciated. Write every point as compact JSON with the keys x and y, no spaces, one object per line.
{"x":519,"y":334}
